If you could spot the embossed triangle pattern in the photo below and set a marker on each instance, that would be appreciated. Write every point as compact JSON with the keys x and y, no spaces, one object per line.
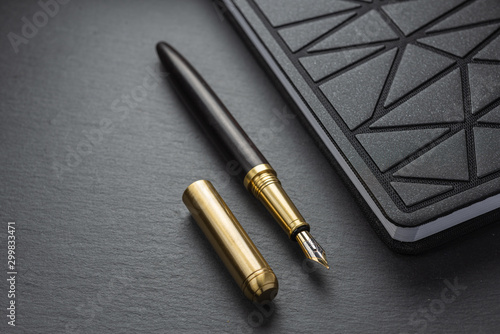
{"x":411,"y":15}
{"x":355,"y":93}
{"x":322,"y":65}
{"x":446,"y":161}
{"x":413,"y":84}
{"x":412,"y":74}
{"x":461,"y":42}
{"x":356,"y":33}
{"x":298,"y":10}
{"x":490,"y":52}
{"x":389,"y":148}
{"x":487,"y":154}
{"x":491,"y":117}
{"x":475,"y":12}
{"x":298,"y":36}
{"x":414,"y":193}
{"x":485,"y":85}
{"x":438,"y":103}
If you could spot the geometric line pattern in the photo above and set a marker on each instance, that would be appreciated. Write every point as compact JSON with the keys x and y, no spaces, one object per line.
{"x":411,"y":15}
{"x":438,"y":103}
{"x":414,"y":193}
{"x":460,"y":42}
{"x":397,"y":69}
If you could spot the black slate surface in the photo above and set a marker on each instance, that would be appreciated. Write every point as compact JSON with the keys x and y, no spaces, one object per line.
{"x":104,"y":243}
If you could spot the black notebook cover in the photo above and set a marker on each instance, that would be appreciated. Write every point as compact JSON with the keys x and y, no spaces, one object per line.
{"x":404,"y":96}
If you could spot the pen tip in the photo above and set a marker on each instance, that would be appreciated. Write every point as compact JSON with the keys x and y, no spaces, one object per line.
{"x":323,"y":262}
{"x":312,"y":249}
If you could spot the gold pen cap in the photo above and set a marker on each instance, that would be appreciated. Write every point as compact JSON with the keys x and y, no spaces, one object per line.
{"x":233,"y":245}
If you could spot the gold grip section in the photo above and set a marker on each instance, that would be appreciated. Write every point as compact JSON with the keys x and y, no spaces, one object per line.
{"x":233,"y":245}
{"x":263,"y":183}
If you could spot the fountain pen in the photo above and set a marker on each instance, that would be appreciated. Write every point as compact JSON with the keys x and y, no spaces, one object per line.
{"x":258,"y":177}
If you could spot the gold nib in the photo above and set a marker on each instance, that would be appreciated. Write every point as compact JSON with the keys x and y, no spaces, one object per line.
{"x":311,"y":248}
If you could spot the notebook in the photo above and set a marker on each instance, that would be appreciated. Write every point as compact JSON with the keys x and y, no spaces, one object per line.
{"x":402,"y":96}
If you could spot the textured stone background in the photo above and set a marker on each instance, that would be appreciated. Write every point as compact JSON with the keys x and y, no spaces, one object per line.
{"x":94,"y":185}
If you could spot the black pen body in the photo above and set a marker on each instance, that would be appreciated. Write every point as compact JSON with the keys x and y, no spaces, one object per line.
{"x":259,"y":178}
{"x":210,"y":112}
